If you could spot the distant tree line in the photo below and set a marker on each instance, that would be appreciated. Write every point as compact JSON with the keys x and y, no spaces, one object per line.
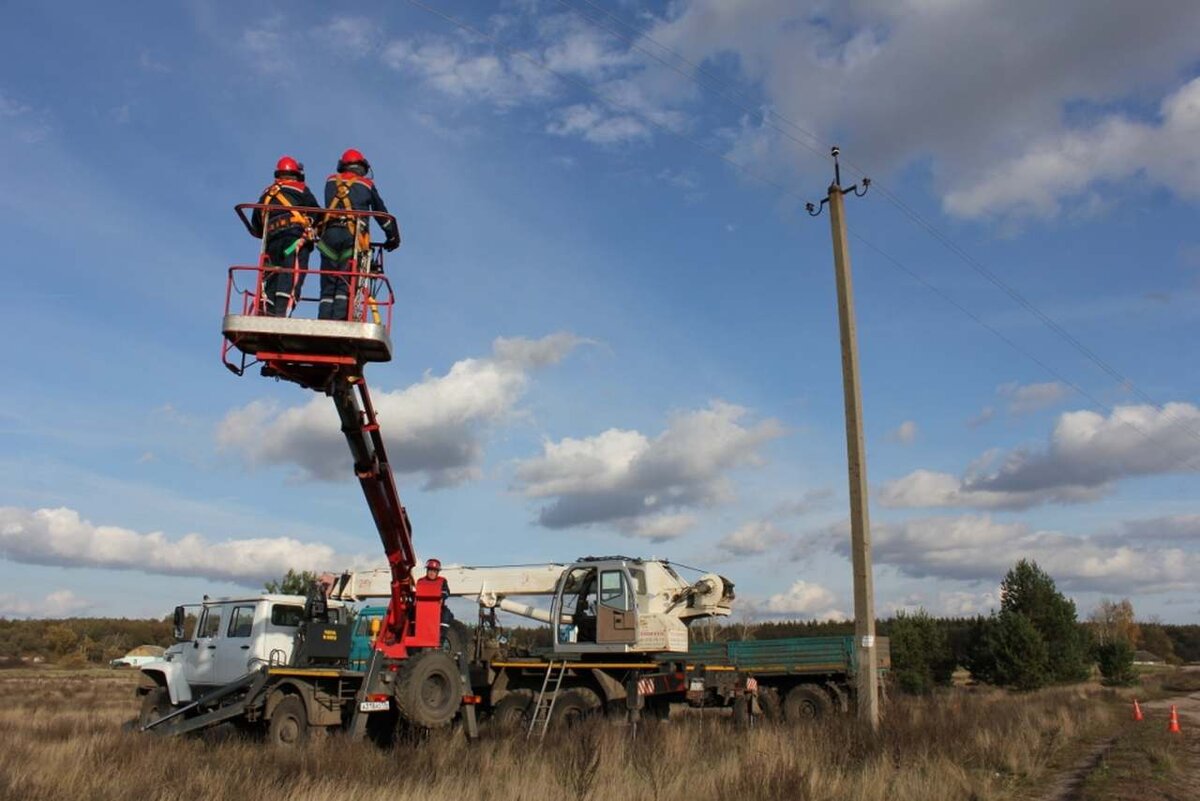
{"x":1034,"y":639}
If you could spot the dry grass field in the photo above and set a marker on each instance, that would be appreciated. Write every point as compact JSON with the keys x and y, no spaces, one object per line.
{"x":63,"y":740}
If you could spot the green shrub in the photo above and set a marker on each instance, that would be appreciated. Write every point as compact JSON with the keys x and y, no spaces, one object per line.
{"x":1116,"y":663}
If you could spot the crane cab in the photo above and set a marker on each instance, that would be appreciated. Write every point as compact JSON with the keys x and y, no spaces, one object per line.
{"x":296,"y":346}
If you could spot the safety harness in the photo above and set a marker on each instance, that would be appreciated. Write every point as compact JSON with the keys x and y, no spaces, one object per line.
{"x":341,"y":200}
{"x":275,"y":196}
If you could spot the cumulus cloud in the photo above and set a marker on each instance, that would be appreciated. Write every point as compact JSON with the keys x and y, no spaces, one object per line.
{"x":435,"y":428}
{"x":624,"y":478}
{"x":1065,"y":164}
{"x":804,"y":599}
{"x":753,"y":538}
{"x":874,"y":76}
{"x":950,"y":603}
{"x":978,"y":548}
{"x":1029,"y":398}
{"x":905,"y":433}
{"x":60,"y":603}
{"x":61,"y":538}
{"x":462,"y":71}
{"x":1182,"y":530}
{"x":1086,"y":455}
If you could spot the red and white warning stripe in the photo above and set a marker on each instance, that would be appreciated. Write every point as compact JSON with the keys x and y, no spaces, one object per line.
{"x":645,"y":686}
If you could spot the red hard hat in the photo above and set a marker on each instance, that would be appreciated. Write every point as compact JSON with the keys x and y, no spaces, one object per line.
{"x":288,"y":164}
{"x":433,"y":564}
{"x":352,"y":156}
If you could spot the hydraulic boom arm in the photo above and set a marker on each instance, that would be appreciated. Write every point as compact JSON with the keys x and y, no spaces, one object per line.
{"x":361,"y":429}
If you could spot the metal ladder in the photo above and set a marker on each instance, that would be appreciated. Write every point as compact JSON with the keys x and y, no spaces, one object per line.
{"x":546,"y":698}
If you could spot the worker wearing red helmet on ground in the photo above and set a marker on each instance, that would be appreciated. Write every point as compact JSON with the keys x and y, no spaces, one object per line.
{"x":433,"y":571}
{"x":349,"y":188}
{"x":287,"y":246}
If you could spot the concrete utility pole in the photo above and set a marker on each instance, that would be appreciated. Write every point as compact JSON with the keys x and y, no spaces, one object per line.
{"x":856,"y":452}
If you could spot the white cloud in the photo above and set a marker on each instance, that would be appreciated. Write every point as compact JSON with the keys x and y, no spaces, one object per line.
{"x":752,"y":538}
{"x":804,"y":599}
{"x":596,"y":124}
{"x":1029,"y":398}
{"x":353,"y":37}
{"x":951,"y":603}
{"x":60,"y":537}
{"x":878,"y":71}
{"x":464,"y":72}
{"x":58,"y":604}
{"x":435,"y":428}
{"x":1086,"y":455}
{"x":905,"y":433}
{"x":1065,"y":164}
{"x":976,"y":547}
{"x":623,"y":477}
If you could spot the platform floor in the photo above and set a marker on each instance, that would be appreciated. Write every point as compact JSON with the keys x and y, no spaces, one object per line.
{"x":367,"y":342}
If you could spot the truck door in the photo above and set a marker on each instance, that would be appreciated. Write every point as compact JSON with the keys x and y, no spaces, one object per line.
{"x":200,"y":660}
{"x":234,"y":649}
{"x":616,"y":617}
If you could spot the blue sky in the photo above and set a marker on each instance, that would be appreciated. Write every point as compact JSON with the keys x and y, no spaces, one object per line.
{"x":616,"y":328}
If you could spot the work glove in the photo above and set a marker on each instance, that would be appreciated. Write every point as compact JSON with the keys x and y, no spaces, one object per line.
{"x":391,"y":243}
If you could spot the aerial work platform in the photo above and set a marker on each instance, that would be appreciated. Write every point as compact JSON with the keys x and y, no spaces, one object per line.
{"x":295,"y":346}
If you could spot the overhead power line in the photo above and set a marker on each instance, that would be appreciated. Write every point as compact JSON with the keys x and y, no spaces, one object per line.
{"x":733,"y":95}
{"x":911,"y":213}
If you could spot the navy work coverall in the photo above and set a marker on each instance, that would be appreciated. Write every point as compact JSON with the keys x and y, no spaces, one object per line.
{"x":346,"y":190}
{"x":283,"y":229}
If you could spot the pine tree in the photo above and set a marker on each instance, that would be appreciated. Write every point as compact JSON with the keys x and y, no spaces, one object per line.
{"x":292,"y":583}
{"x":1029,"y":591}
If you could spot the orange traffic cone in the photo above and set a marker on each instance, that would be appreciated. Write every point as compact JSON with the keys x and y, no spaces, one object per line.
{"x":1173,"y":726}
{"x":1137,"y":711}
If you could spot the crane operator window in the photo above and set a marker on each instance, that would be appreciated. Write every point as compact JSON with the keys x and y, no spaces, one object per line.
{"x":614,"y":590}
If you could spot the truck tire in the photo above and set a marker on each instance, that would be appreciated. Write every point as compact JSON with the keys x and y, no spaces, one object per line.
{"x":429,"y":689}
{"x":513,"y":711}
{"x":288,"y":726}
{"x":806,"y":702}
{"x":573,"y":706}
{"x":155,"y":704}
{"x":455,"y":638}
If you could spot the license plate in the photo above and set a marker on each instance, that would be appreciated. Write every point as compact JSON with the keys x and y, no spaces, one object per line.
{"x":372,"y":706}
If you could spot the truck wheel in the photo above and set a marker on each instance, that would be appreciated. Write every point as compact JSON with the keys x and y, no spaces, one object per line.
{"x":155,"y":704}
{"x":455,"y":638}
{"x":429,"y":689}
{"x":512,"y":713}
{"x":288,"y":726}
{"x":806,"y":702}
{"x":768,"y":701}
{"x":573,"y":706}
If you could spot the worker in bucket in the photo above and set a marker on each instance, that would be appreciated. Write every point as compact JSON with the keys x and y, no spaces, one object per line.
{"x":351,"y":187}
{"x":289,"y":236}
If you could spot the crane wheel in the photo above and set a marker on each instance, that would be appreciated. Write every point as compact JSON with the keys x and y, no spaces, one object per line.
{"x":455,"y":638}
{"x":512,"y":712}
{"x":806,"y":702}
{"x":573,"y":706}
{"x":155,"y":704}
{"x":429,"y":689}
{"x":288,"y":726}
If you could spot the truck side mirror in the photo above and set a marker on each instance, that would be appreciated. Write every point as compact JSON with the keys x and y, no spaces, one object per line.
{"x":179,"y":621}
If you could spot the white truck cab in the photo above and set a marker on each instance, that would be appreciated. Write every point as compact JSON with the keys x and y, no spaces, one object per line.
{"x":232,"y":637}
